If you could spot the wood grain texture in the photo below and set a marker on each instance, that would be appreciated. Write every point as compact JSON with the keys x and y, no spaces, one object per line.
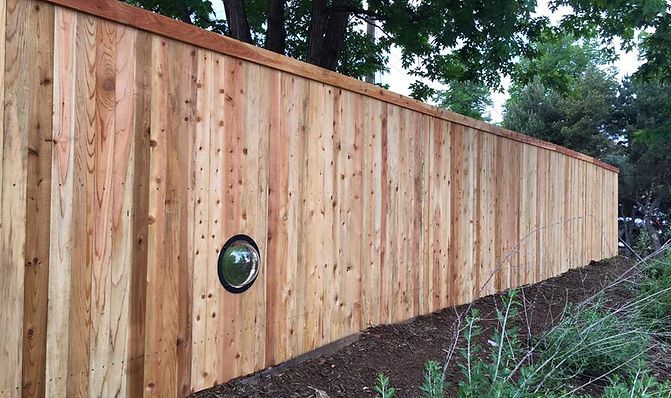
{"x":133,"y":156}
{"x":39,"y":39}
{"x":167,"y":27}
{"x":79,"y":315}
{"x":17,"y":79}
{"x":62,"y":196}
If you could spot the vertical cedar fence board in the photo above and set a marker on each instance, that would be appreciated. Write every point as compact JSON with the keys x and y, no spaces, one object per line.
{"x":134,"y":146}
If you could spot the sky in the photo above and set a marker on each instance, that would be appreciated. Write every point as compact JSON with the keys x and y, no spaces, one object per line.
{"x":399,"y":81}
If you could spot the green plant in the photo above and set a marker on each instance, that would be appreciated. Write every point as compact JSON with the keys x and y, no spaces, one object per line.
{"x":491,"y":374}
{"x":593,"y":342}
{"x":383,"y":388}
{"x":590,"y":340}
{"x":433,"y":385}
{"x":654,"y":294}
{"x":643,"y":242}
{"x":642,"y":385}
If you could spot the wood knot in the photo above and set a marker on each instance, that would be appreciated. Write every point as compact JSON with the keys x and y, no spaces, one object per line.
{"x":109,"y":84}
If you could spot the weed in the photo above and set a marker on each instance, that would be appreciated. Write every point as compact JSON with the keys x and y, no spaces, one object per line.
{"x":655,"y":293}
{"x":383,"y":388}
{"x":433,"y":385}
{"x":591,"y":341}
{"x":642,"y":385}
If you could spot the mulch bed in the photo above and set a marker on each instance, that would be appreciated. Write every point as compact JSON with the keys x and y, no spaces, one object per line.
{"x":400,"y":350}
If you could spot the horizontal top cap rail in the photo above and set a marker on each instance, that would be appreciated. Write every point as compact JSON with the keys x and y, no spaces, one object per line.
{"x":148,"y":21}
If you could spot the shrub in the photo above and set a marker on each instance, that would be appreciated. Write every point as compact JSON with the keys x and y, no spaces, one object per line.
{"x":654,"y":294}
{"x":641,"y":386}
{"x":593,"y":342}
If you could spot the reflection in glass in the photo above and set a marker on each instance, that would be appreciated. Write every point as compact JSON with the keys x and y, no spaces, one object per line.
{"x":239,"y":264}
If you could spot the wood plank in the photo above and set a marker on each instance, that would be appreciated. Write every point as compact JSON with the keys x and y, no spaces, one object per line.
{"x":39,"y":48}
{"x":313,"y":210}
{"x":140,"y":216}
{"x":462,"y":212}
{"x":528,"y":222}
{"x":294,"y":91}
{"x":440,"y":234}
{"x":105,"y":97}
{"x":203,"y":265}
{"x":217,"y":332}
{"x":232,"y":207}
{"x":18,"y":79}
{"x":180,"y":186}
{"x":83,"y":204}
{"x":277,"y":237}
{"x":348,"y":188}
{"x":62,"y":199}
{"x":426,"y":267}
{"x":392,"y":278}
{"x":251,"y":151}
{"x":122,"y":207}
{"x":485,"y":214}
{"x":160,"y":373}
{"x":329,"y":238}
{"x":541,"y":214}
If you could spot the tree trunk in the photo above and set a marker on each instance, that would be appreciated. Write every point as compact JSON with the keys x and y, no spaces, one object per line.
{"x":327,"y":33}
{"x":276,"y":35}
{"x":648,"y":208}
{"x":335,"y":35}
{"x":185,"y":13}
{"x":236,"y":16}
{"x":654,"y":235}
{"x":316,"y":31}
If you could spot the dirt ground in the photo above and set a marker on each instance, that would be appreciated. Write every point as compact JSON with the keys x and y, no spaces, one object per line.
{"x":400,"y":350}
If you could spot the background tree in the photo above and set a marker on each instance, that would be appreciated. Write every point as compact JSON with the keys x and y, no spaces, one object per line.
{"x":622,"y":19}
{"x":467,"y":98}
{"x":644,"y":116}
{"x":563,"y":93}
{"x":446,"y":40}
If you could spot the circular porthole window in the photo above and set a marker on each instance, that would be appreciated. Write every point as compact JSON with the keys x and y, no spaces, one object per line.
{"x":238,"y":264}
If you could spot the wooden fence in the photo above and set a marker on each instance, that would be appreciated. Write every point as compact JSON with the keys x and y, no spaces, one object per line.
{"x":133,"y":146}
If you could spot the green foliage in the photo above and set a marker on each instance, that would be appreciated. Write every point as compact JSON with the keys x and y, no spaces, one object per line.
{"x":607,"y":20}
{"x":643,"y":385}
{"x":562,"y":93}
{"x":592,"y":342}
{"x":654,"y":294}
{"x":433,"y":385}
{"x":644,"y":116}
{"x":383,"y":388}
{"x":643,"y":242}
{"x":491,"y":374}
{"x":467,"y":98}
{"x":558,"y":62}
{"x":589,"y":340}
